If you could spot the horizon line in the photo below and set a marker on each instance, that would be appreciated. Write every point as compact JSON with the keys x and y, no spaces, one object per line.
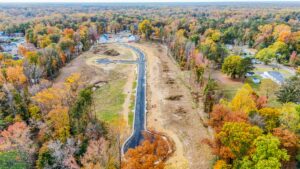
{"x":124,"y":2}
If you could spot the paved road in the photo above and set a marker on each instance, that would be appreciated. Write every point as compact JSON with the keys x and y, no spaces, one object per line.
{"x":140,"y":104}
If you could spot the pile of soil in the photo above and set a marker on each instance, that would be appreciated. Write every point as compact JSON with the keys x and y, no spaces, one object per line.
{"x":98,"y":49}
{"x":180,"y":111}
{"x":175,"y":97}
{"x":170,"y":81}
{"x":112,"y":52}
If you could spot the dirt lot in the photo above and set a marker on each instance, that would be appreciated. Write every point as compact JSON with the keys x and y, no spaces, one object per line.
{"x":170,"y":110}
{"x":119,"y":80}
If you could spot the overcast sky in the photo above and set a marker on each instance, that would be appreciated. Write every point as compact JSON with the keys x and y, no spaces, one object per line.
{"x":111,"y":1}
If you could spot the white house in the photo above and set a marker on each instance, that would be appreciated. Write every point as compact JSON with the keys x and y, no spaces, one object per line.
{"x":133,"y":38}
{"x":103,"y":38}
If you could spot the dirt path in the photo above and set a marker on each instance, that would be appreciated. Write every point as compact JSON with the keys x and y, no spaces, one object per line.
{"x":91,"y":74}
{"x":177,"y":118}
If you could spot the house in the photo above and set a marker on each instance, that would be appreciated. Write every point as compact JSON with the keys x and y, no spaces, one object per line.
{"x":249,"y":74}
{"x":255,"y":61}
{"x":248,"y":51}
{"x":8,"y":47}
{"x":277,"y":77}
{"x":133,"y":38}
{"x":229,"y":46}
{"x":103,"y":38}
{"x":18,"y":34}
{"x":255,"y":80}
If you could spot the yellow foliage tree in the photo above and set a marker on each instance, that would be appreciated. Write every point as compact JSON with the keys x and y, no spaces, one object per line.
{"x":145,"y":28}
{"x":16,"y":75}
{"x":243,"y":100}
{"x":49,"y":98}
{"x":58,"y":119}
{"x":43,"y":41}
{"x":271,"y":117}
{"x":221,"y":164}
{"x":73,"y":81}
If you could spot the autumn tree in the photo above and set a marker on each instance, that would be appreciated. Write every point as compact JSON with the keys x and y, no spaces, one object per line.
{"x":32,"y":67}
{"x":282,"y":32}
{"x":31,"y":36}
{"x":96,"y":155}
{"x":199,"y":71}
{"x":16,"y":141}
{"x":288,"y":141}
{"x":58,"y":119}
{"x":238,"y":137}
{"x":243,"y":100}
{"x":267,"y":154}
{"x":222,"y":114}
{"x":81,"y":111}
{"x":145,"y":28}
{"x":210,"y":95}
{"x":55,"y":154}
{"x":15,"y":75}
{"x":51,"y":61}
{"x":66,"y":45}
{"x":264,"y":37}
{"x":150,"y":154}
{"x":213,"y":50}
{"x":49,"y":98}
{"x":290,"y":90}
{"x":290,"y":117}
{"x":236,"y":66}
{"x":221,"y":164}
{"x":265,"y":55}
{"x":281,"y":51}
{"x":271,"y":117}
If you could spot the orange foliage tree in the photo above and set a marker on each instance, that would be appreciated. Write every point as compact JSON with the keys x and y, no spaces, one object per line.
{"x":150,"y":154}
{"x":16,"y":75}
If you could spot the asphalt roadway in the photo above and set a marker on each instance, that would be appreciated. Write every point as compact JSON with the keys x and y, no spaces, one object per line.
{"x":140,"y":104}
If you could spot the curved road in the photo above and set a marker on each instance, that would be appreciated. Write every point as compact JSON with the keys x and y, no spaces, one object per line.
{"x":140,"y":104}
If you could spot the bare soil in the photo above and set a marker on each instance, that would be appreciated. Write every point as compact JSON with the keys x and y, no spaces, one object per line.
{"x":179,"y":119}
{"x":94,"y":73}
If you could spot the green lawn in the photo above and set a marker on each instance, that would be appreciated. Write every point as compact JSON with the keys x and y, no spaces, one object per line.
{"x":229,"y":90}
{"x":266,"y":88}
{"x":251,"y":83}
{"x":109,"y":100}
{"x":12,"y":160}
{"x":132,"y":104}
{"x":269,"y":88}
{"x":131,"y":113}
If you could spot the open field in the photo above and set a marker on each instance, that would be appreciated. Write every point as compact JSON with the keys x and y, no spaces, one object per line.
{"x":109,"y":99}
{"x":230,"y":86}
{"x":116,"y":82}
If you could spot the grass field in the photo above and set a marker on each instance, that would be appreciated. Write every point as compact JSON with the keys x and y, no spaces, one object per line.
{"x":132,"y":104}
{"x":266,"y":88}
{"x":131,"y":108}
{"x":109,"y":100}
